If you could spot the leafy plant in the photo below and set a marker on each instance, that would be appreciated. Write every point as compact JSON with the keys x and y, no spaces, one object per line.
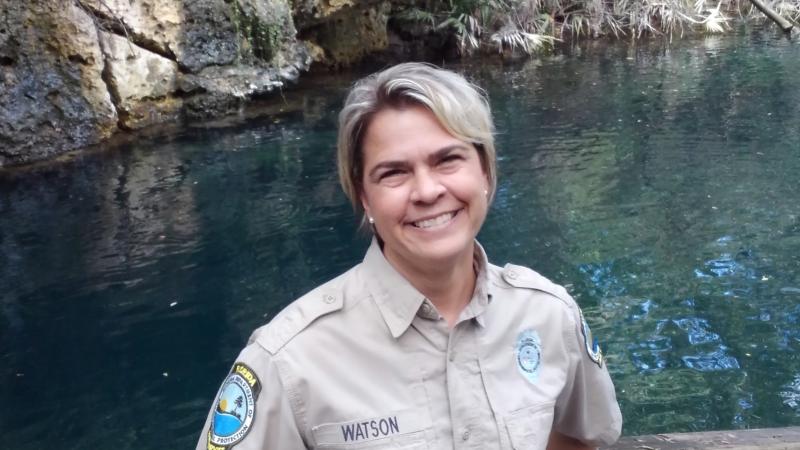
{"x":511,"y":38}
{"x":467,"y":29}
{"x":531,"y":25}
{"x":417,"y":15}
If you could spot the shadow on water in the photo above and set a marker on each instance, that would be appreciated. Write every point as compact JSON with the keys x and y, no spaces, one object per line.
{"x":657,"y":182}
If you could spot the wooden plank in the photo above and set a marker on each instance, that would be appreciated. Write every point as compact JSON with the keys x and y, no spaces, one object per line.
{"x":758,"y":439}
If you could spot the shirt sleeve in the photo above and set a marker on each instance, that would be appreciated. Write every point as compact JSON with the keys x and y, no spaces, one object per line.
{"x":587,"y":408}
{"x":252,"y":408}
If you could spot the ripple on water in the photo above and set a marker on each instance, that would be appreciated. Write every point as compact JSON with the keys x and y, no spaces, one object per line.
{"x":791,"y":394}
{"x":724,"y":266}
{"x":697,"y":330}
{"x":651,"y":355}
{"x":667,"y":348}
{"x":602,"y":278}
{"x":711,"y":361}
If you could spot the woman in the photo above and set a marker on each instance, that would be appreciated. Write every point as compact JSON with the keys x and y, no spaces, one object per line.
{"x":424,"y":345}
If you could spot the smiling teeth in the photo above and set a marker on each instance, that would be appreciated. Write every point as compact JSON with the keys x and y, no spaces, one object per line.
{"x":439,"y":220}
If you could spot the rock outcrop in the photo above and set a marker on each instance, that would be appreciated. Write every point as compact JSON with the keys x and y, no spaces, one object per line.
{"x":75,"y":72}
{"x":52,"y":95}
{"x":346,"y":30}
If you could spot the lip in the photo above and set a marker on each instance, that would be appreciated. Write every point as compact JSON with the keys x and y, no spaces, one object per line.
{"x":454,"y":212}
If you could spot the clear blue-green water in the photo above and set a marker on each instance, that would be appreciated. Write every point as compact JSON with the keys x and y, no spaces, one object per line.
{"x":659,"y":182}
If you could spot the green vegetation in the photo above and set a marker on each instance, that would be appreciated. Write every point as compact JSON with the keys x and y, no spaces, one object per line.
{"x":530,"y":25}
{"x":261,"y":39}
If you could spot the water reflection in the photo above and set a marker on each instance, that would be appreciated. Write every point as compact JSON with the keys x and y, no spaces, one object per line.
{"x":670,"y":215}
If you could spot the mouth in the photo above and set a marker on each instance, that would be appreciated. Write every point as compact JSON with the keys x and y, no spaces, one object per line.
{"x":438,"y":221}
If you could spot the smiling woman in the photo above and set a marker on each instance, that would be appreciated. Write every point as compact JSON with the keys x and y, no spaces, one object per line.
{"x":425,"y":344}
{"x":426,"y":194}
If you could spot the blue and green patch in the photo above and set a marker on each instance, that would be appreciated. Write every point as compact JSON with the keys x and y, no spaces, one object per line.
{"x":591,"y":344}
{"x":234,"y":409}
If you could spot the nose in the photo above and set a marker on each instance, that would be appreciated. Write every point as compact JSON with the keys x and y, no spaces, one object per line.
{"x":427,"y":187}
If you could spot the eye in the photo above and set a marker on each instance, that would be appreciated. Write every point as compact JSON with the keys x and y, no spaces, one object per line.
{"x":450,"y":159}
{"x":389,"y":174}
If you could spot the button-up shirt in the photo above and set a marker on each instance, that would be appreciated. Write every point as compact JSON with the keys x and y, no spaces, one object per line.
{"x":365,"y":361}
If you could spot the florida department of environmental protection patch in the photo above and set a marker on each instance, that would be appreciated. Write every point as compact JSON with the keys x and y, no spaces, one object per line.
{"x":591,"y":344}
{"x":235,"y":408}
{"x":529,"y":354}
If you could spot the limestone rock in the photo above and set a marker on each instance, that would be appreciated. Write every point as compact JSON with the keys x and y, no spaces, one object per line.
{"x":312,"y":12}
{"x":52,"y":95}
{"x":202,"y":33}
{"x":153,"y":24}
{"x":73,"y":72}
{"x":351,"y":34}
{"x":142,"y":83}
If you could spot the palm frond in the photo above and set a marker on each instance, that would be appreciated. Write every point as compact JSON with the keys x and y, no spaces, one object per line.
{"x":715,"y":22}
{"x":511,"y":38}
{"x":417,"y":15}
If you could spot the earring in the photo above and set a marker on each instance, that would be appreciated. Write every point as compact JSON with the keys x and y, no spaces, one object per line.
{"x":486,"y":192}
{"x":371,"y":220}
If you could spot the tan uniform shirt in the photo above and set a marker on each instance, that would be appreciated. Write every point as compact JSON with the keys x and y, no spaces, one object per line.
{"x":366,"y":362}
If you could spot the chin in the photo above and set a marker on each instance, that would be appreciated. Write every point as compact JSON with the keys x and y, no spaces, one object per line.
{"x":443,"y":250}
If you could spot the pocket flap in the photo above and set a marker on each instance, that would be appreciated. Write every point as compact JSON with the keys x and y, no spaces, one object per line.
{"x":529,"y":428}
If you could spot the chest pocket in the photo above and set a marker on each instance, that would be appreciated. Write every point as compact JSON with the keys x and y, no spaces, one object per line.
{"x":529,"y":428}
{"x":409,"y":442}
{"x":406,"y":430}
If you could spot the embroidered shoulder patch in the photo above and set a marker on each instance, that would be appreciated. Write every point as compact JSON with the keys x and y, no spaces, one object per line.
{"x":591,"y":344}
{"x":529,"y":354}
{"x":235,"y":408}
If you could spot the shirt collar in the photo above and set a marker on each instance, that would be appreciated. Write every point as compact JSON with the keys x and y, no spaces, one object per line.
{"x":399,"y":301}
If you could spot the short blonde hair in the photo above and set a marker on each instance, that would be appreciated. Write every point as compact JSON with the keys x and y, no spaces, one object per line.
{"x":460,"y":107}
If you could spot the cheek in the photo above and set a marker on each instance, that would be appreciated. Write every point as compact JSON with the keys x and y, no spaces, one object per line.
{"x":387,"y":202}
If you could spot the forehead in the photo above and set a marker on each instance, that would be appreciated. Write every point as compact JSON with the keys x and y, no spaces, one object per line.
{"x":401,"y":133}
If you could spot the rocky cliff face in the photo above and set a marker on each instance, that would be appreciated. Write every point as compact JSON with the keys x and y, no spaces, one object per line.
{"x":74,"y":72}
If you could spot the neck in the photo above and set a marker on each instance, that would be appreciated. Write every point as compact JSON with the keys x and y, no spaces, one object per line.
{"x":448,"y":286}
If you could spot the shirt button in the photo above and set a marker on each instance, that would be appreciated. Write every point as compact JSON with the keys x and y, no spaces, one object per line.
{"x":465,"y":435}
{"x":452,"y":356}
{"x":328,"y":299}
{"x":427,"y":310}
{"x":512,"y":274}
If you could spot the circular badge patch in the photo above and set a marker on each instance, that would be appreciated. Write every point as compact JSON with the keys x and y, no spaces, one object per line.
{"x":529,"y":354}
{"x":235,"y":407}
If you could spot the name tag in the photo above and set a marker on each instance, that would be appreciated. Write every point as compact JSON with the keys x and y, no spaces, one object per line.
{"x":371,"y":429}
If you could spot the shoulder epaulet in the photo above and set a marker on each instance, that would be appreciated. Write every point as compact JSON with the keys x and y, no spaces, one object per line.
{"x":523,"y":277}
{"x":296,"y":317}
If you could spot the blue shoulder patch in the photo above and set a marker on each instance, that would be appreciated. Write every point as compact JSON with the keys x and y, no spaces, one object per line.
{"x":591,"y":344}
{"x":235,"y":408}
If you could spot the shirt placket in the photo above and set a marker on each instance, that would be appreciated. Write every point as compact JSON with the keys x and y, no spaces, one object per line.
{"x":473,"y":424}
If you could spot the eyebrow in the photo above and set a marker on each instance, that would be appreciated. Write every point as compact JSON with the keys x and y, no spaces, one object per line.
{"x":437,"y":155}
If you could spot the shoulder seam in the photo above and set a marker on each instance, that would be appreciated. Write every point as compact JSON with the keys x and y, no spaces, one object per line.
{"x":298,"y":316}
{"x":526,"y":278}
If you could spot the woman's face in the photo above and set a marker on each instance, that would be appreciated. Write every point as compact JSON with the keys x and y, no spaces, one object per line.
{"x":424,"y":188}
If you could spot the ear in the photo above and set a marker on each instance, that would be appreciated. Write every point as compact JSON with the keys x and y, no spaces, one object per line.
{"x":364,"y":203}
{"x":482,"y":158}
